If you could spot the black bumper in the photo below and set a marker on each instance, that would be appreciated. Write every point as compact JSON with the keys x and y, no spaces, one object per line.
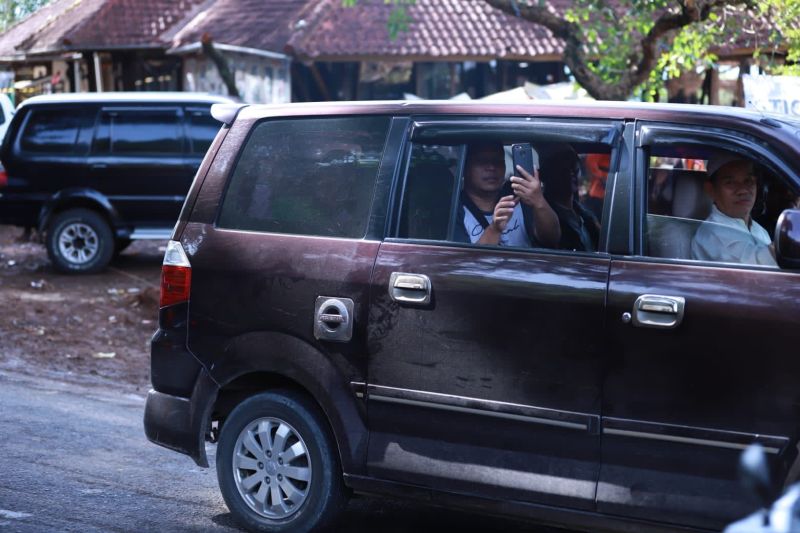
{"x":181,"y":424}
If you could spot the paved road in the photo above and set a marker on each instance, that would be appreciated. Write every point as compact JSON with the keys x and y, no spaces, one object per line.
{"x":74,"y":458}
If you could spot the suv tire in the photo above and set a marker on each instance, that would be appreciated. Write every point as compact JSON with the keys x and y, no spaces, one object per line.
{"x":79,"y":241}
{"x":253,"y":476}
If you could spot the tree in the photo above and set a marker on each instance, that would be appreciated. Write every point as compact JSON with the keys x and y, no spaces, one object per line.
{"x":614,"y":48}
{"x":12,"y":11}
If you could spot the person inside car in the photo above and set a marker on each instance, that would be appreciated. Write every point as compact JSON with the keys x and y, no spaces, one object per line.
{"x":730,"y":234}
{"x":496,"y":212}
{"x":560,"y":171}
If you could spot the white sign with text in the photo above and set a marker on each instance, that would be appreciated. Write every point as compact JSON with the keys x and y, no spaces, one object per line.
{"x":775,"y":94}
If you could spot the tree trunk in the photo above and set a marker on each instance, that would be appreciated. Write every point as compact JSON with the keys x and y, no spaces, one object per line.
{"x":221,"y":63}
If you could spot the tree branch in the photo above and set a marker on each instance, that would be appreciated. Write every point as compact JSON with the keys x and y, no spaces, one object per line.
{"x":643,"y":59}
{"x":221,"y":63}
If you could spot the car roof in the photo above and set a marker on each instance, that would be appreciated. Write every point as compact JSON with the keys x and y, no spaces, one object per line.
{"x":769,"y":126}
{"x":128,"y":97}
{"x":589,"y":109}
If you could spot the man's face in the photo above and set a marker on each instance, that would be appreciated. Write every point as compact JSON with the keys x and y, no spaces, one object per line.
{"x":485,"y":170}
{"x":734,"y":189}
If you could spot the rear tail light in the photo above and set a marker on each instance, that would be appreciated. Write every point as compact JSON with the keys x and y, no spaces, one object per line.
{"x":176,"y":276}
{"x":3,"y":178}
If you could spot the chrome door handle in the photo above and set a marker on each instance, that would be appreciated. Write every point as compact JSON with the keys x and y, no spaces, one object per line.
{"x":656,"y":311}
{"x":410,"y":288}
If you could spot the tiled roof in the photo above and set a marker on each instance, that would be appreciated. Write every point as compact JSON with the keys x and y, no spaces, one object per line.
{"x":321,"y":30}
{"x":94,"y":24}
{"x":45,"y":26}
{"x":464,"y":29}
{"x":260,"y":24}
{"x":131,"y":22}
{"x":440,"y":29}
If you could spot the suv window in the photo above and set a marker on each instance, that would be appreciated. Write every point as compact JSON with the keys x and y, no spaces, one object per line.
{"x":711,"y":204}
{"x":202,"y":129}
{"x":306,"y":176}
{"x":144,"y":131}
{"x":54,"y":130}
{"x":428,"y":197}
{"x":438,"y":206}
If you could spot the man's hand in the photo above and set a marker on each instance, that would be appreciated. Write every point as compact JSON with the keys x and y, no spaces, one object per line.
{"x":528,"y":188}
{"x":503,"y":212}
{"x":501,"y":216}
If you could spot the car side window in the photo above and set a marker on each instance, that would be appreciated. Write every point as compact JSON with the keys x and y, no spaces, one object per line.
{"x":713,"y":205}
{"x":54,"y":130}
{"x":202,"y":129}
{"x":450,"y":192}
{"x":145,"y":131}
{"x":429,"y":191}
{"x":308,"y":176}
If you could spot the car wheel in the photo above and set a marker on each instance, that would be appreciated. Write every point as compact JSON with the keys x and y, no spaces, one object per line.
{"x":79,"y":241}
{"x":277,"y":465}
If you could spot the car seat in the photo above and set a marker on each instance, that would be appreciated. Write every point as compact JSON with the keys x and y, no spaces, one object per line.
{"x":427,"y":202}
{"x":671,"y":236}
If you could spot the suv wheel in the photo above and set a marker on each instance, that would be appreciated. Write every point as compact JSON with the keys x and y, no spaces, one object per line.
{"x":79,"y":241}
{"x":277,"y":466}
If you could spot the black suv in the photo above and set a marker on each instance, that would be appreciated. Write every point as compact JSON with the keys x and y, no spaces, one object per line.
{"x":95,"y":171}
{"x":330,"y":317}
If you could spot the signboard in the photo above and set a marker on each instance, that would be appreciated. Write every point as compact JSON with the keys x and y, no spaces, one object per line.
{"x":774,"y":94}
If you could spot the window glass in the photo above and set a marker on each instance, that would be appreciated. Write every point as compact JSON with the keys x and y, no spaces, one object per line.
{"x":311,"y":176}
{"x":571,"y":183}
{"x":139,"y":132}
{"x":54,"y":130}
{"x":202,"y":129}
{"x":714,"y":205}
{"x":428,"y":195}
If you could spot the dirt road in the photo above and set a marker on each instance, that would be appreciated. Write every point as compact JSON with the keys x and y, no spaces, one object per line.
{"x":78,"y":327}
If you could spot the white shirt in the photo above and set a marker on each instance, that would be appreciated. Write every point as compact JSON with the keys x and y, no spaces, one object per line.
{"x":514,"y":234}
{"x":729,"y":240}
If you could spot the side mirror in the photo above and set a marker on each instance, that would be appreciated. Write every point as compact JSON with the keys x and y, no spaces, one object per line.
{"x":787,"y":239}
{"x":754,"y":472}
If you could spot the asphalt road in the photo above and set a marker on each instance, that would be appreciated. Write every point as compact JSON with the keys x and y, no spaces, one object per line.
{"x":74,"y":458}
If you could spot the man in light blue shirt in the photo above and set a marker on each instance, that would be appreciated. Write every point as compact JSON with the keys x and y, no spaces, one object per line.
{"x":729,"y":234}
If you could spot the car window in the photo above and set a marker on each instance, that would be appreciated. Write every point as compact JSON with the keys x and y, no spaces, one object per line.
{"x":311,"y":176}
{"x":713,"y":205}
{"x":202,"y":128}
{"x":440,"y":202}
{"x":144,"y":131}
{"x":429,"y":191}
{"x":54,"y":130}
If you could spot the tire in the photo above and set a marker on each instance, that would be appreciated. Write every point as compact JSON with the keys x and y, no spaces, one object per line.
{"x":252,"y":475}
{"x":79,"y":241}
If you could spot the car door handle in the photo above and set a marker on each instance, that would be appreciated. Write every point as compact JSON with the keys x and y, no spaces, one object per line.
{"x":657,"y":311}
{"x":99,"y":166}
{"x":412,"y":289}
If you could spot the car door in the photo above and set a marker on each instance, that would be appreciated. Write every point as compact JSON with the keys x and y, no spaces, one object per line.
{"x":485,"y":363}
{"x":139,"y":162}
{"x":702,"y":353}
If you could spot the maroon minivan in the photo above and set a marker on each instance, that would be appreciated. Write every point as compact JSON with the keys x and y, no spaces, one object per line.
{"x":331,"y":320}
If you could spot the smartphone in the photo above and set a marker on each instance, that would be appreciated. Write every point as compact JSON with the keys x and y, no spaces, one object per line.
{"x":522,"y":155}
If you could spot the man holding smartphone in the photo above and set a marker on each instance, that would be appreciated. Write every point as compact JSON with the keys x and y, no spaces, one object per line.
{"x":497,"y":212}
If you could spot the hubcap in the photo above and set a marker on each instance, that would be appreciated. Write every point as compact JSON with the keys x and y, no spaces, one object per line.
{"x":78,"y":243}
{"x":272,"y":468}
